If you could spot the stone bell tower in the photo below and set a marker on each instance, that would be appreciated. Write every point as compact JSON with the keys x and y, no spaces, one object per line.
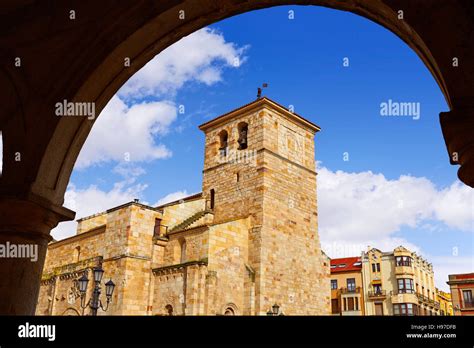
{"x":259,"y":163}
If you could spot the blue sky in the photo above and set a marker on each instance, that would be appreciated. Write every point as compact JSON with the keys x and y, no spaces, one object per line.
{"x":397,"y":186}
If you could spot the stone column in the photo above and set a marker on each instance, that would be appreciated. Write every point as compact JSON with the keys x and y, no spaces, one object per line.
{"x":458,"y":132}
{"x":25,"y":223}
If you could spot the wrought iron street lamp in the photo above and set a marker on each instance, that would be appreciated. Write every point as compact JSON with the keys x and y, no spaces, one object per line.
{"x":95,"y":302}
{"x":274,"y":310}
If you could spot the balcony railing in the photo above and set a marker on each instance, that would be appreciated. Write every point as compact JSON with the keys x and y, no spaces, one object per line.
{"x":350,"y":290}
{"x":378,"y":294}
{"x":468,"y":304}
{"x":403,"y":292}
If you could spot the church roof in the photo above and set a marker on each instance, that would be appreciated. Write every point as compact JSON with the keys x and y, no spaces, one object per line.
{"x":257,"y":103}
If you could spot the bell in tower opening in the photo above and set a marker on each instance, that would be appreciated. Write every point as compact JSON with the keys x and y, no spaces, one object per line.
{"x":243,"y":130}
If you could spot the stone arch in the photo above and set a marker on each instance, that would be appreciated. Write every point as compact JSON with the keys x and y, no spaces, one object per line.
{"x":109,"y":73}
{"x":223,"y":142}
{"x":242,"y":131}
{"x":230,"y":309}
{"x":85,"y":63}
{"x":71,"y":312}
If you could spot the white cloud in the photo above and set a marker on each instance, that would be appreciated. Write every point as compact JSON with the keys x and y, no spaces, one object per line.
{"x":346,"y":248}
{"x":455,"y":206}
{"x":358,"y":210}
{"x":124,"y":133}
{"x":446,"y":265}
{"x":199,"y":57}
{"x":129,"y":125}
{"x":360,"y":207}
{"x":92,"y":200}
{"x":171,"y":197}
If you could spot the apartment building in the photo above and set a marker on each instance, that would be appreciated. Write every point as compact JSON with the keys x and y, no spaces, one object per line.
{"x":445,"y":303}
{"x":346,"y":286}
{"x":462,"y":289}
{"x":398,"y":282}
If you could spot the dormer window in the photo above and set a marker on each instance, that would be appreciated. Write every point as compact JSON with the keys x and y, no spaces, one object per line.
{"x":243,"y":131}
{"x":223,"y":142}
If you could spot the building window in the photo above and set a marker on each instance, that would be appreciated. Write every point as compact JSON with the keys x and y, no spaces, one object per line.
{"x":243,"y":131}
{"x":182,"y":243}
{"x":403,"y":261}
{"x":333,"y":284}
{"x":157,"y":228}
{"x":377,"y":289}
{"x":404,"y":309}
{"x":467,"y":298}
{"x":376,"y":267}
{"x":223,"y":143}
{"x":351,"y":284}
{"x":212,"y":198}
{"x":405,"y":286}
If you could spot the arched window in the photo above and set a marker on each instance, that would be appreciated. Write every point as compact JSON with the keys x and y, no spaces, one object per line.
{"x":243,"y":131}
{"x":223,"y":142}
{"x":229,"y":311}
{"x":182,"y":243}
{"x":169,"y":310}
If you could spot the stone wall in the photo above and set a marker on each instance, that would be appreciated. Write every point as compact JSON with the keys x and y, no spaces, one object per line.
{"x":228,"y":257}
{"x":277,"y":190}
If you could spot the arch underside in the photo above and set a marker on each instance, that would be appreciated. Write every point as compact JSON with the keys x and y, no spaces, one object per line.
{"x":95,"y":77}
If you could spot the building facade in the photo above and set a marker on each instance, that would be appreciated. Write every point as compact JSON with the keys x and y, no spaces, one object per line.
{"x":248,"y":241}
{"x":462,"y":289}
{"x":398,"y":283}
{"x":445,"y":303}
{"x":347,"y":296}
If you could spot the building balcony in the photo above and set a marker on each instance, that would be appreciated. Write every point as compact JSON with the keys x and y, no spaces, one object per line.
{"x":404,"y":270}
{"x":404,"y":297}
{"x":352,"y":292}
{"x":426,"y":300}
{"x":377,"y":295}
{"x":468,"y":305}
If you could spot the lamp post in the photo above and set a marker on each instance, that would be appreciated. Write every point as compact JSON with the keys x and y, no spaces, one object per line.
{"x":274,"y":311}
{"x":95,"y":302}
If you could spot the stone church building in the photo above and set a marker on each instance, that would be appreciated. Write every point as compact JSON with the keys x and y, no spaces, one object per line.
{"x":248,"y":241}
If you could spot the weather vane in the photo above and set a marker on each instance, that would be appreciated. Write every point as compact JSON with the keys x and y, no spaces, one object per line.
{"x":259,"y":90}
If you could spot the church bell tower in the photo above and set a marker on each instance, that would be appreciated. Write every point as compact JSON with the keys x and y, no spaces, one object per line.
{"x":259,"y":164}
